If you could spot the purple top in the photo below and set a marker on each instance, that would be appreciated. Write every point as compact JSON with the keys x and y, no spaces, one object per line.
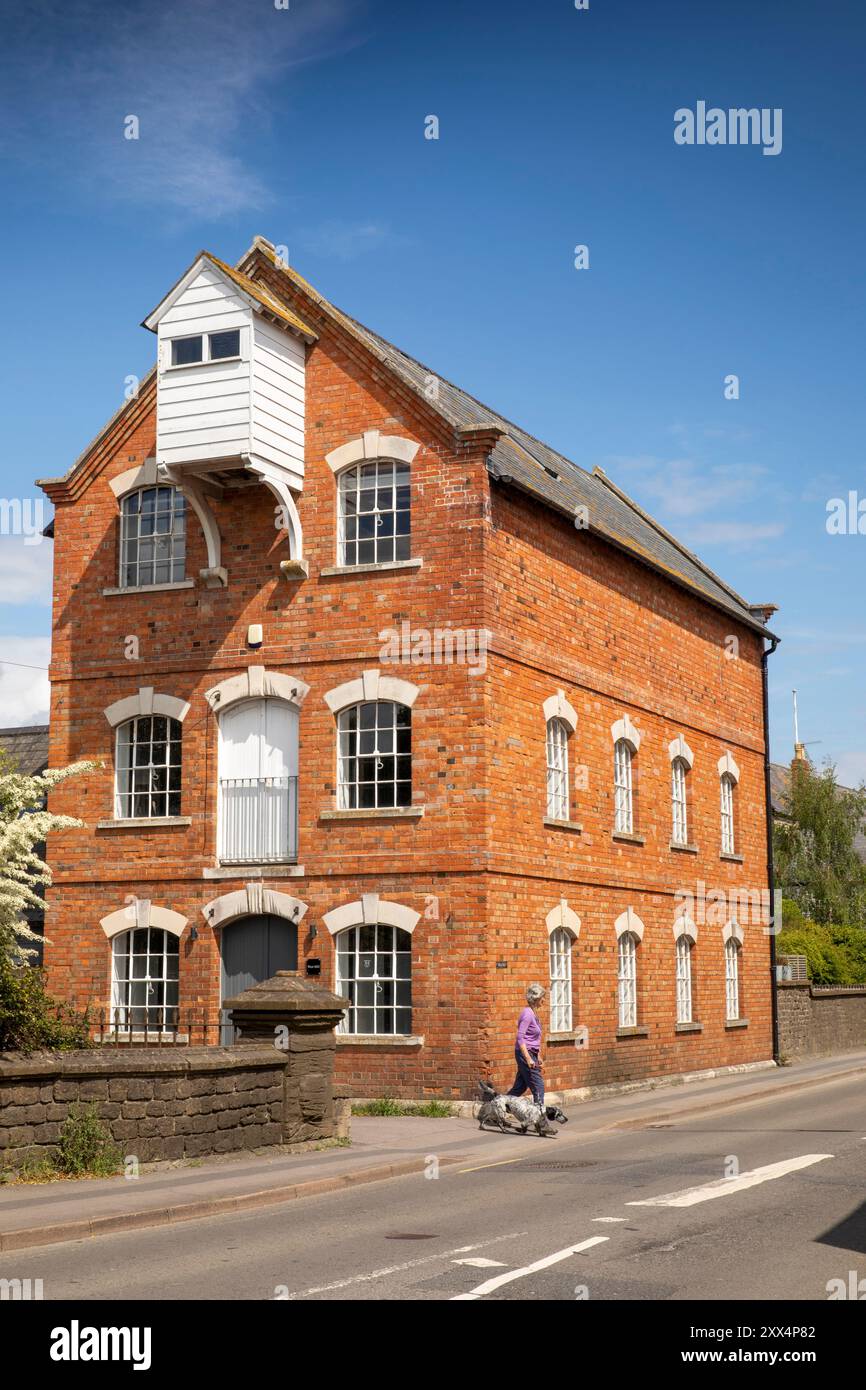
{"x":528,"y":1030}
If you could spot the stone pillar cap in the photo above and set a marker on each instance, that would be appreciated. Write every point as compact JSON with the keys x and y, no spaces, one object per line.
{"x":287,"y":991}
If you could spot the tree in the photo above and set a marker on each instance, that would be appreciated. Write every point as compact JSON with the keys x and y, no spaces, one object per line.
{"x":817,"y":865}
{"x":24,"y":825}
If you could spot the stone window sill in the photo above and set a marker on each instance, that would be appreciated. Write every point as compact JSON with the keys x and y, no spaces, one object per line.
{"x":642,"y":1031}
{"x":732,"y":858}
{"x":689,"y":1028}
{"x":375,"y":813}
{"x":571,"y":825}
{"x":330,"y":570}
{"x":149,"y":588}
{"x":565,"y":1037}
{"x":243,"y":872}
{"x":379,"y":1040}
{"x":736,"y":1023}
{"x":626,"y":838}
{"x":143,"y":823}
{"x":683,"y":849}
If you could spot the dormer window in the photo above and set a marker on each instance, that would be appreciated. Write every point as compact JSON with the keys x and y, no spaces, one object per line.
{"x":206,"y":347}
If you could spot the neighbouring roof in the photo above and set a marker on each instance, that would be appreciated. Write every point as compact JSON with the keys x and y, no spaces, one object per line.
{"x":27,"y":746}
{"x":780,"y":783}
{"x":538,"y":469}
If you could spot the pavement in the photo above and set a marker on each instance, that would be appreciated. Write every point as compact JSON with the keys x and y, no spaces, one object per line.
{"x":382,"y":1149}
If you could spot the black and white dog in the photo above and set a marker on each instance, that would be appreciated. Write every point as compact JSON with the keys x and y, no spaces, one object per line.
{"x":499,"y":1110}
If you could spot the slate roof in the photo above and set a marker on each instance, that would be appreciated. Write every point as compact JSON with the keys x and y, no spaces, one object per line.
{"x":27,"y":746}
{"x":539,"y":470}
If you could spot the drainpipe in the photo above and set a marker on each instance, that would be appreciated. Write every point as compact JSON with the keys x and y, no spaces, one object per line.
{"x":767,"y":652}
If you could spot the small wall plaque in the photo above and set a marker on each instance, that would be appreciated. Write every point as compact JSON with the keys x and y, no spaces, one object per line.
{"x":314,"y":966}
{"x":502,"y":965}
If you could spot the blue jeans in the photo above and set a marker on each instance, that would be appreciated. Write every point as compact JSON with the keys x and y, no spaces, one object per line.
{"x":527,"y":1078}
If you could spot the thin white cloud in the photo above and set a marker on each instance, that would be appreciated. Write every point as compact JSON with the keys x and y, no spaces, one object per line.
{"x":682,"y":487}
{"x":24,"y":691}
{"x":25,"y":571}
{"x":199,"y":76}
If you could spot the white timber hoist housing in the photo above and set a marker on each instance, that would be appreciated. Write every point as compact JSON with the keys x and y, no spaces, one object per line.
{"x":230,"y":398}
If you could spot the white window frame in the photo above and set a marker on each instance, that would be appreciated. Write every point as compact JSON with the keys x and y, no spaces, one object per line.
{"x":560,"y":946}
{"x":121,"y":1008}
{"x":732,"y":979}
{"x":174,"y":535}
{"x":623,"y":753}
{"x":558,"y":803}
{"x":401,"y":476}
{"x":360,"y":975}
{"x":683,"y":948}
{"x":345,"y":785}
{"x":679,"y":802}
{"x":726,"y":809}
{"x":128,"y":797}
{"x":627,"y":979}
{"x":205,"y":359}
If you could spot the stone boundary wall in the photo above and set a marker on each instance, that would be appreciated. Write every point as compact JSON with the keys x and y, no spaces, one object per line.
{"x":160,"y":1103}
{"x":818,"y":1023}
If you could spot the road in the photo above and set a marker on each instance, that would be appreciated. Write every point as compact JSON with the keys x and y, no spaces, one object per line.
{"x":678,"y":1211}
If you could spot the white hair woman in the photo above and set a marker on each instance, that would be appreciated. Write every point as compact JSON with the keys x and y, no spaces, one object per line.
{"x":527,"y":1047}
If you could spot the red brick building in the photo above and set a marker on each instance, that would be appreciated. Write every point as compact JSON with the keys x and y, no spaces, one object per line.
{"x":379,"y":681}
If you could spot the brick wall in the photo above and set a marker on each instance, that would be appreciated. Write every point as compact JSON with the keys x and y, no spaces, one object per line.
{"x":565,"y":612}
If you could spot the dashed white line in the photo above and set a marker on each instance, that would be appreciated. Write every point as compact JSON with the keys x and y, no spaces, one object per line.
{"x":479,"y":1262}
{"x":399,"y":1269}
{"x":612,"y":1220}
{"x":725,"y":1187}
{"x":498,"y":1280}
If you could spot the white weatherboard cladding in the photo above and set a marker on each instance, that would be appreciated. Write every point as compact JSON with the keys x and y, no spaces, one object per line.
{"x":250,"y":408}
{"x":278,"y":399}
{"x":203,"y":410}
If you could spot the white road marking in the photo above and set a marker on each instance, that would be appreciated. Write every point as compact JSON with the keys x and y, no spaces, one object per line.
{"x":409,"y":1264}
{"x":480,"y":1263}
{"x":498,"y":1280}
{"x":610,"y":1219}
{"x":723,"y":1187}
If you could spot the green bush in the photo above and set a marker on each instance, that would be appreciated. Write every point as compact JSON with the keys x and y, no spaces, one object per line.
{"x":86,"y":1147}
{"x":835,"y":954}
{"x":30,"y":1019}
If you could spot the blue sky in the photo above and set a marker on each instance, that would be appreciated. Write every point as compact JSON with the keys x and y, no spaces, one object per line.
{"x":556,"y":129}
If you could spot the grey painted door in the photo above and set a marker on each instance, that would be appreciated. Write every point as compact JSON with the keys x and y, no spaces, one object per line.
{"x":253,"y":949}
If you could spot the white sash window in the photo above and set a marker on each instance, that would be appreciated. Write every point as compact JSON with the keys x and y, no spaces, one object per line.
{"x":627,"y":980}
{"x":557,"y":770}
{"x":623,"y":801}
{"x":684,"y":980}
{"x":727,"y":810}
{"x":680,"y":831}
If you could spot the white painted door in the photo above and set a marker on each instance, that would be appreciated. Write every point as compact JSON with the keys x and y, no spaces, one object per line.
{"x":258,"y":774}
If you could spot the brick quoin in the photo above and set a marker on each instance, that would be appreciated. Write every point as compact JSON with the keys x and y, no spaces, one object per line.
{"x":565,"y":610}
